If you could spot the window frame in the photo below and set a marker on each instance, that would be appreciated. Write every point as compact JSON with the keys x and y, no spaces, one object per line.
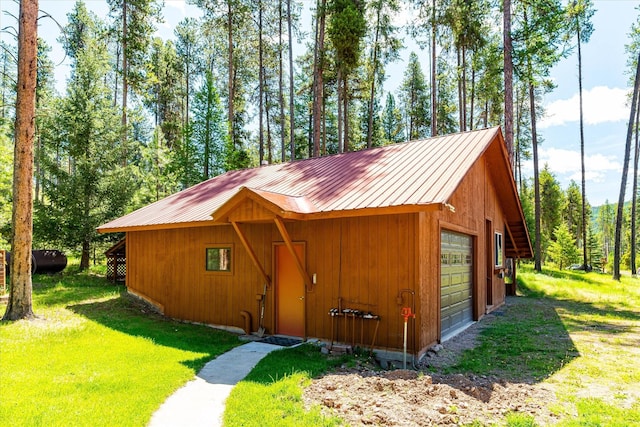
{"x":210,"y":246}
{"x":498,"y":250}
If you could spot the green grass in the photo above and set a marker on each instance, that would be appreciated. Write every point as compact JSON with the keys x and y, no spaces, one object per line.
{"x":579,"y":333}
{"x":602,"y":318}
{"x":271,"y":395}
{"x":95,"y":357}
{"x":530,"y":349}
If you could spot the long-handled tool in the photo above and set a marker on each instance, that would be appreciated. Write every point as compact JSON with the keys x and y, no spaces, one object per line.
{"x":406,"y":313}
{"x":264,"y":296}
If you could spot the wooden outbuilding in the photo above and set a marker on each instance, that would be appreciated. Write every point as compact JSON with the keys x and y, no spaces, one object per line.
{"x":117,"y":261}
{"x":341,"y":247}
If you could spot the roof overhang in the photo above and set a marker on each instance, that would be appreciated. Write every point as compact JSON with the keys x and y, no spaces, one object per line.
{"x":518,"y":245}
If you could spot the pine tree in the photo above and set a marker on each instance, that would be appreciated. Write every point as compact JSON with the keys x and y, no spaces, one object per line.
{"x":563,"y":250}
{"x":347,"y":27}
{"x":135,"y":22}
{"x":572,"y":212}
{"x":579,"y":14}
{"x":164,"y":91}
{"x":536,"y":42}
{"x":6,"y":178}
{"x":392,"y":128}
{"x":209,"y":134}
{"x":86,"y":186}
{"x":384,"y":49}
{"x":414,"y":96}
{"x":551,"y":202}
{"x":20,"y":303}
{"x":7,"y":82}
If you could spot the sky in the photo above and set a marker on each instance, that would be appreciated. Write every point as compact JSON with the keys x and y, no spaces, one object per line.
{"x":605,"y":89}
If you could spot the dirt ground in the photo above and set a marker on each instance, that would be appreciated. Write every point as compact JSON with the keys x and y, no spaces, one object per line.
{"x":365,"y":396}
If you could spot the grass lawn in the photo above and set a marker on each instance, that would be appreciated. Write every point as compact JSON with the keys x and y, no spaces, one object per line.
{"x":599,"y":385}
{"x":577,"y":332}
{"x":271,"y":395}
{"x":95,"y":357}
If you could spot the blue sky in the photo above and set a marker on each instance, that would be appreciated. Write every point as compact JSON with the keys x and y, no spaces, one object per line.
{"x":605,"y":89}
{"x":605,"y":83}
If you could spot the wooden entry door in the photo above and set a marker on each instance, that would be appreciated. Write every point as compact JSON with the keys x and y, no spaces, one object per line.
{"x":289,"y":289}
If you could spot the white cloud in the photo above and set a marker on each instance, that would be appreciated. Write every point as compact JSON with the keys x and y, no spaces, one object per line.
{"x":567,"y":162}
{"x":177,"y":4}
{"x":601,"y":104}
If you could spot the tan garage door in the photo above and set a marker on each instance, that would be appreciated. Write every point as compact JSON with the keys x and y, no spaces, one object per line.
{"x":456,"y":282}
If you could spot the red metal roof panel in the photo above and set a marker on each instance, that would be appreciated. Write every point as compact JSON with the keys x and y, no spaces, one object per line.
{"x":413,"y":173}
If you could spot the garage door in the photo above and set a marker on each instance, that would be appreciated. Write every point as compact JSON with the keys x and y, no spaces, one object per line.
{"x":456,"y":281}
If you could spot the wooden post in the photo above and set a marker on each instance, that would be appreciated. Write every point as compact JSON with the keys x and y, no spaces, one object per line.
{"x":251,"y":253}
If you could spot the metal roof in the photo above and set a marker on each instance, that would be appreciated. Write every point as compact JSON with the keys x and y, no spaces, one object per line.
{"x":412,"y":174}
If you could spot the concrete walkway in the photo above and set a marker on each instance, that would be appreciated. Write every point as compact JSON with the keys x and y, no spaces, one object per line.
{"x":201,"y":401}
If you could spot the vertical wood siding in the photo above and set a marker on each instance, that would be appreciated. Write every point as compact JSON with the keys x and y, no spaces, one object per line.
{"x":363,"y":261}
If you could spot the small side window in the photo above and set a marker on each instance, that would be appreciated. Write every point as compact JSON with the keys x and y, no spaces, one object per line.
{"x":497,"y":249}
{"x":219,"y":258}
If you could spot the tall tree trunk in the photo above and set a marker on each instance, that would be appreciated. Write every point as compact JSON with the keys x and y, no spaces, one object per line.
{"x":20,"y":303}
{"x":464,"y":88}
{"x":473,"y":95}
{"x":291,"y":106}
{"x":460,"y":102}
{"x":230,"y":110}
{"x":585,"y":261}
{"x":318,"y":72}
{"x":345,"y":111}
{"x":260,"y":84}
{"x":625,"y":171}
{"x":310,"y":130}
{"x":508,"y":77}
{"x":185,"y":125}
{"x":85,"y":255}
{"x":374,"y":72}
{"x":340,"y":122}
{"x":125,"y":83}
{"x":207,"y":127}
{"x":38,"y":174}
{"x":324,"y":127}
{"x":283,"y":156}
{"x":536,"y":180}
{"x":115,"y":88}
{"x":268,"y":123}
{"x":634,"y":196}
{"x":517,"y":151}
{"x":434,"y":68}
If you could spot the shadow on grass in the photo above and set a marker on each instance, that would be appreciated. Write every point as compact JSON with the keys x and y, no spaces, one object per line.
{"x":62,"y":289}
{"x":132,"y":317}
{"x":527,"y":340}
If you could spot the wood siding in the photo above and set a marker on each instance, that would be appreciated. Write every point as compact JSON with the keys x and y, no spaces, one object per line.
{"x":360,"y":263}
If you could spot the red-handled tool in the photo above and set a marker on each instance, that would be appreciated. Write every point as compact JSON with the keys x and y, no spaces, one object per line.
{"x":406,"y":313}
